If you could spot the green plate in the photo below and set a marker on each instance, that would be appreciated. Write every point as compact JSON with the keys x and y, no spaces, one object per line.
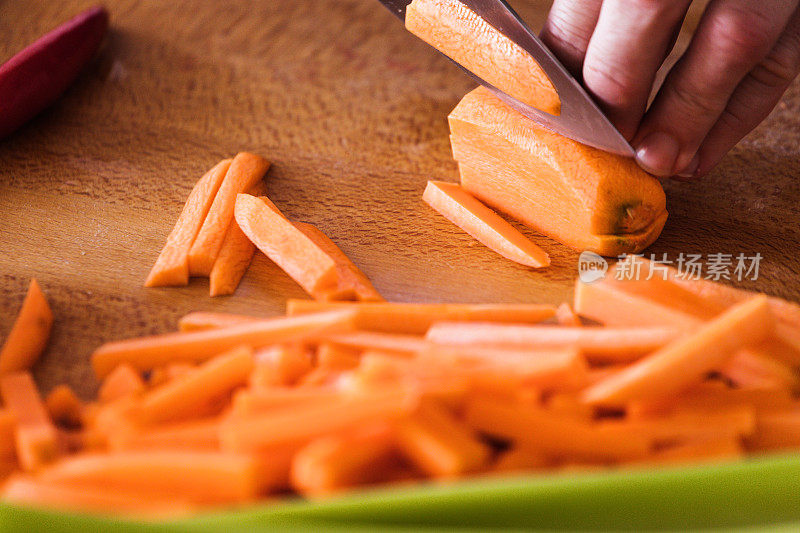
{"x":755,"y":495}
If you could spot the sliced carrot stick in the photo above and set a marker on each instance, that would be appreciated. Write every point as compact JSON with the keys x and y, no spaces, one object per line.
{"x":568,"y":404}
{"x":255,"y":401}
{"x":333,"y":463}
{"x":566,"y":316}
{"x":551,"y":434}
{"x":468,"y":213}
{"x":200,"y":320}
{"x":146,"y":353}
{"x":182,"y":397}
{"x":172,"y":265}
{"x":283,"y":364}
{"x":717,"y":448}
{"x":232,"y":262}
{"x":601,"y":344}
{"x":520,"y":457}
{"x":123,"y":381}
{"x":750,"y":367}
{"x":685,"y":361}
{"x":417,"y":318}
{"x":397,"y":343}
{"x":350,"y":280}
{"x":320,"y":377}
{"x":200,"y":477}
{"x":36,"y":438}
{"x":245,"y":171}
{"x":778,"y":430}
{"x":28,"y":337}
{"x":64,"y":407}
{"x":8,"y":424}
{"x":194,"y":435}
{"x":439,"y":444}
{"x":288,"y":247}
{"x":337,"y":357}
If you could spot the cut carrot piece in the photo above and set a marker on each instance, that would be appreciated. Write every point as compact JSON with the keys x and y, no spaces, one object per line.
{"x":245,"y":171}
{"x":64,"y":407}
{"x":462,"y":209}
{"x":718,"y":448}
{"x":417,"y":318}
{"x":8,"y":425}
{"x":520,"y":457}
{"x":36,"y":438}
{"x":172,"y":265}
{"x":121,"y":382}
{"x":280,"y":365}
{"x":779,"y":430}
{"x":351,"y":282}
{"x":146,"y":353}
{"x":750,"y":367}
{"x":686,"y":360}
{"x":462,"y":35}
{"x":565,"y":316}
{"x":28,"y":337}
{"x":194,"y":435}
{"x":396,"y":343}
{"x":439,"y":444}
{"x":200,"y":477}
{"x":337,"y":357}
{"x":567,"y":404}
{"x":584,"y":197}
{"x":333,"y":463}
{"x":200,"y":320}
{"x":232,"y":262}
{"x":254,"y":401}
{"x":604,"y":344}
{"x":181,"y":398}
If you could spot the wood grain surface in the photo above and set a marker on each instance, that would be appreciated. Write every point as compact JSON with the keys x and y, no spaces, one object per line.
{"x":352,"y":112}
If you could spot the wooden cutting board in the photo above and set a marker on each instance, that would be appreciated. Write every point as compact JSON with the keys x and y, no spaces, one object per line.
{"x":352,"y":112}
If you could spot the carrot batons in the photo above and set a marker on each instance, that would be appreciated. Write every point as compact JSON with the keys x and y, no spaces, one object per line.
{"x":244,"y":172}
{"x":200,"y":320}
{"x":232,"y":261}
{"x":35,"y":436}
{"x":8,"y":424}
{"x":172,"y":265}
{"x":64,"y":407}
{"x":462,"y":35}
{"x":122,"y":382}
{"x":581,"y":196}
{"x":28,"y":337}
{"x":283,"y":364}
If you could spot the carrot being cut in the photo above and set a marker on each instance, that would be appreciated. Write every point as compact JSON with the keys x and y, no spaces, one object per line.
{"x":147,"y":353}
{"x":64,"y":407}
{"x":351,"y":283}
{"x":685,"y":361}
{"x":35,"y":436}
{"x":200,"y":320}
{"x":465,"y":211}
{"x":581,"y":196}
{"x":28,"y":337}
{"x":288,"y":247}
{"x":244,"y":172}
{"x":461,"y":34}
{"x":121,"y":382}
{"x":417,"y":318}
{"x":172,"y":266}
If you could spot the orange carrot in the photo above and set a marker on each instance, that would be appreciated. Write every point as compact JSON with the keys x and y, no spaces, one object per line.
{"x":752,"y":367}
{"x":245,"y":171}
{"x":181,"y":398}
{"x":396,"y":343}
{"x":603,"y":344}
{"x":254,"y":401}
{"x":686,"y":360}
{"x":28,"y":337}
{"x":520,"y":458}
{"x":778,"y":430}
{"x":35,"y":437}
{"x":288,"y":247}
{"x":146,"y":353}
{"x":565,"y":316}
{"x":232,"y":262}
{"x":465,"y":211}
{"x":717,"y":448}
{"x":64,"y":407}
{"x":337,"y":357}
{"x":569,"y":405}
{"x":172,"y":265}
{"x":200,"y":320}
{"x":8,"y":424}
{"x":283,"y":364}
{"x":193,"y":435}
{"x":417,"y":318}
{"x":123,"y":381}
{"x":351,"y":282}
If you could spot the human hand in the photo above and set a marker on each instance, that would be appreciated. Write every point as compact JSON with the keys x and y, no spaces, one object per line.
{"x":741,"y":59}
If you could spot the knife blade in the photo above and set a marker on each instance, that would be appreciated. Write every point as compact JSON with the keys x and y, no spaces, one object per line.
{"x":580,"y":119}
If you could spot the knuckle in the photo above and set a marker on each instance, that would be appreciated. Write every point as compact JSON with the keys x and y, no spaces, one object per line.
{"x":695,"y":102}
{"x":781,"y":65}
{"x":742,"y":33}
{"x":613,"y":84}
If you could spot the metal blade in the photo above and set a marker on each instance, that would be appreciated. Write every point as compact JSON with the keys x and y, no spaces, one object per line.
{"x":580,"y":119}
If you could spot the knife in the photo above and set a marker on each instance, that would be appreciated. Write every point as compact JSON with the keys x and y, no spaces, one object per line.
{"x":580,"y":119}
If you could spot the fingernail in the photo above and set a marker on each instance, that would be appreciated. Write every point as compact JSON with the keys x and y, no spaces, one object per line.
{"x":691,"y":168}
{"x":657,"y":153}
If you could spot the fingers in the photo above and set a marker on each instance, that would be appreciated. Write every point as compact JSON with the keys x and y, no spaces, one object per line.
{"x":567,"y":31}
{"x":732,"y":37}
{"x":628,"y":46}
{"x":754,"y":98}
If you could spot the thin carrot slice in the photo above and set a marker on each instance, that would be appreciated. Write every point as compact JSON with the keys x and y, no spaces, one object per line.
{"x":602,"y":344}
{"x":254,"y":401}
{"x":333,"y":463}
{"x":283,"y":364}
{"x":397,"y":343}
{"x":439,"y":444}
{"x":417,"y":318}
{"x":200,"y":477}
{"x":468,"y":213}
{"x":200,"y":320}
{"x":288,"y":247}
{"x":194,"y":435}
{"x":28,"y":337}
{"x":8,"y":425}
{"x":245,"y":171}
{"x":232,"y":262}
{"x":702,"y":450}
{"x":146,"y":353}
{"x":565,"y":316}
{"x":750,"y":367}
{"x":350,"y":280}
{"x":172,"y":265}
{"x":163,"y":374}
{"x":181,"y":398}
{"x":568,"y":404}
{"x":686,"y":360}
{"x":337,"y":357}
{"x":779,"y":430}
{"x":36,"y":438}
{"x":123,"y":381}
{"x":64,"y":407}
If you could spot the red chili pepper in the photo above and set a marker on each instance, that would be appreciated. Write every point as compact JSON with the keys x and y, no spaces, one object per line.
{"x":35,"y":77}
